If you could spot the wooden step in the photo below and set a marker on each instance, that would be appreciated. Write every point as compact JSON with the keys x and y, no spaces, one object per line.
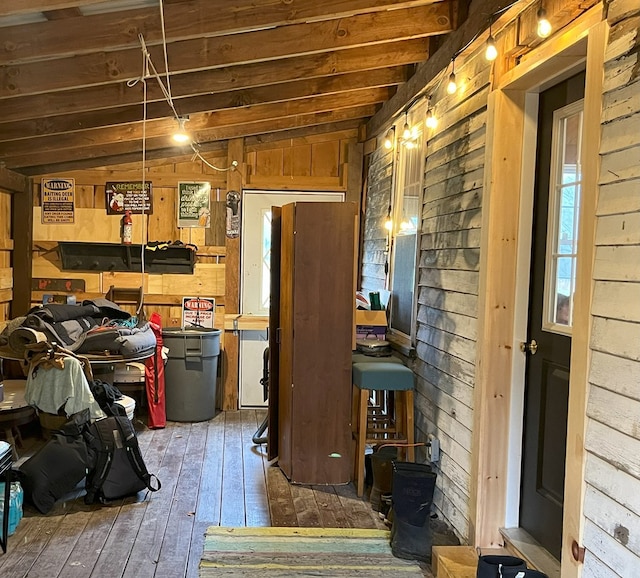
{"x":454,"y":562}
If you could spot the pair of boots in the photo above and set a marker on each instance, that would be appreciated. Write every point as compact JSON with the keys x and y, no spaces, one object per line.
{"x":505,"y":567}
{"x":411,"y":497}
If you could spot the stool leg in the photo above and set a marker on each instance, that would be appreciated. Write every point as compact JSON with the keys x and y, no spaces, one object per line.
{"x":361,"y":437}
{"x":408,"y":411}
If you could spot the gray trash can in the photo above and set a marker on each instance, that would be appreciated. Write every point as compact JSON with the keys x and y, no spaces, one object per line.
{"x":190,"y":373}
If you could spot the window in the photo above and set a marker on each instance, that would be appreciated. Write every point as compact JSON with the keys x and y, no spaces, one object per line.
{"x":564,"y":211}
{"x":406,"y":223}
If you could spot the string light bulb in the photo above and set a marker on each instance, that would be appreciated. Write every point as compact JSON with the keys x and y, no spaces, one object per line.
{"x":389,"y":138}
{"x":406,"y":131}
{"x":452,"y":86}
{"x":181,"y":135}
{"x":388,"y":223}
{"x":491,"y":52}
{"x":431,"y":121}
{"x":544,"y":26}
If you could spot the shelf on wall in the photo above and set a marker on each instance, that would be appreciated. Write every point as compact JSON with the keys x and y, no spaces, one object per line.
{"x":113,"y":257}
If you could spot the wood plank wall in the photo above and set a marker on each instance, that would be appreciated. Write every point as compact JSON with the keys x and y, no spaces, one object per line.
{"x":162,"y":291}
{"x":612,"y":498}
{"x":448,"y":278}
{"x":6,"y":248}
{"x":448,"y":285}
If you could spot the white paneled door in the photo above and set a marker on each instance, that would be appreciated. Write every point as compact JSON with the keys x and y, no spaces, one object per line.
{"x":255,"y":265}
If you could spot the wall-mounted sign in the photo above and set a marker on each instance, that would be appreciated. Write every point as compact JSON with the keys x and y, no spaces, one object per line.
{"x":57,"y":200}
{"x":129,"y":196}
{"x":198,"y":312}
{"x":194,"y":204}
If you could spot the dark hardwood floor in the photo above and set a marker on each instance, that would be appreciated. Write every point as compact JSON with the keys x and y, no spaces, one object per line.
{"x":211,"y":474}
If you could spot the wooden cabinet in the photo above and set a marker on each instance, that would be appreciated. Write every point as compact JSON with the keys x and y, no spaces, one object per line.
{"x":311,"y":328}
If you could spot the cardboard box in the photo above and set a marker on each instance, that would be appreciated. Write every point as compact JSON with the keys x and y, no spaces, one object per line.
{"x":370,"y":323}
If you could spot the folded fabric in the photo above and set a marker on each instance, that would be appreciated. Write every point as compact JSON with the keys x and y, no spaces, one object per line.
{"x":21,"y":337}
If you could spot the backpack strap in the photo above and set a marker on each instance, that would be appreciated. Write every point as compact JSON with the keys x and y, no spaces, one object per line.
{"x":130,"y":441}
{"x":104,"y":446}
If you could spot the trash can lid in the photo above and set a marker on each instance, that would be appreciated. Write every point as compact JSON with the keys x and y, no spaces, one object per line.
{"x":187,"y":331}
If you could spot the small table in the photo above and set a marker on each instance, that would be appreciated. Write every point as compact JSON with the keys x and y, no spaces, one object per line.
{"x":14,"y":412}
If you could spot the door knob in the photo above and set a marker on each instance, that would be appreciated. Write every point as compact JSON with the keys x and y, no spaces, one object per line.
{"x":531,"y":347}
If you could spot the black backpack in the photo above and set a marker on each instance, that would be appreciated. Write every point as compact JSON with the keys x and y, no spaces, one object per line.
{"x":119,"y":468}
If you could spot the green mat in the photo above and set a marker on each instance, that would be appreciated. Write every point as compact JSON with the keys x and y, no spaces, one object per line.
{"x":275,"y":552}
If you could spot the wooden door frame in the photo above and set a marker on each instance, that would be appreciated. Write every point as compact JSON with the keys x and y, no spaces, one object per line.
{"x":505,"y":240}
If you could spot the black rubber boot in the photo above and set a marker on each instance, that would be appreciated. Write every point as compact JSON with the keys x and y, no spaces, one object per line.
{"x":382,"y":474}
{"x":496,"y":566}
{"x":412,"y":496}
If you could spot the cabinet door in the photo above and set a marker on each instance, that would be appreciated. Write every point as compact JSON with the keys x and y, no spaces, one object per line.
{"x":318,"y":274}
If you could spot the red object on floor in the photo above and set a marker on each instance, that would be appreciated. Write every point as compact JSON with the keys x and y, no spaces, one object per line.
{"x":154,"y":377}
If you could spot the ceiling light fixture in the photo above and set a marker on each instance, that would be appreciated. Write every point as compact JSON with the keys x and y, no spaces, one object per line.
{"x":181,"y":135}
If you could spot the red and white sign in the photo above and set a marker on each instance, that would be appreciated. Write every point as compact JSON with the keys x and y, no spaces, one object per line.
{"x":198,"y":312}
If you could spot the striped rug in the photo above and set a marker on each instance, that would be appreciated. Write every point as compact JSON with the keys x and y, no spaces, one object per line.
{"x":280,"y":552}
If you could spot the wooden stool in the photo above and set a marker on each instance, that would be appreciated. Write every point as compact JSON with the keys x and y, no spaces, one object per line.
{"x":395,"y":424}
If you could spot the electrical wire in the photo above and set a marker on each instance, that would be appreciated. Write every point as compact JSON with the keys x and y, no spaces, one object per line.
{"x":149,"y":69}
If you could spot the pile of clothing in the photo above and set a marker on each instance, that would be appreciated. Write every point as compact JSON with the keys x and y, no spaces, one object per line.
{"x":96,"y":326}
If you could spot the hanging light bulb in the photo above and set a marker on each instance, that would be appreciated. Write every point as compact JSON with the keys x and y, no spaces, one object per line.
{"x":452,"y":86}
{"x":389,"y":138}
{"x":181,"y":135}
{"x":431,"y":121}
{"x":544,"y":26}
{"x":491,"y":52}
{"x":388,"y":224}
{"x":406,"y":131}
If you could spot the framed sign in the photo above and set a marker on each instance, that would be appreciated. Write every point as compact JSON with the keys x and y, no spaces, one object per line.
{"x":133,"y":196}
{"x":194,"y":204}
{"x":58,"y":202}
{"x":198,"y":312}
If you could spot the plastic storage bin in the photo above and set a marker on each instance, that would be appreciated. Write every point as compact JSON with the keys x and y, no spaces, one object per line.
{"x":15,"y":506}
{"x":190,"y":373}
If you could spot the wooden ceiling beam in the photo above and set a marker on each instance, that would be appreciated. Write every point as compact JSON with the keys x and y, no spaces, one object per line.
{"x":192,"y":55}
{"x":12,"y":182}
{"x":187,"y":106}
{"x":202,"y":128}
{"x":128,"y":152}
{"x":13,"y":7}
{"x":186,"y":20}
{"x":217,"y":80}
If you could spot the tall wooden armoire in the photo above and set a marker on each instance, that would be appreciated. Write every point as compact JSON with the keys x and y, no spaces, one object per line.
{"x":310,"y":340}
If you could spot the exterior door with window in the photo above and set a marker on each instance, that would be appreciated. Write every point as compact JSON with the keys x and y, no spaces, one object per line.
{"x":255,"y":276}
{"x":552,"y":286}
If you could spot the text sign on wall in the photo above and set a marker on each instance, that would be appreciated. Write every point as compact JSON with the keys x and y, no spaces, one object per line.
{"x":198,"y":312}
{"x":129,"y":196}
{"x":57,"y":200}
{"x":194,"y":200}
